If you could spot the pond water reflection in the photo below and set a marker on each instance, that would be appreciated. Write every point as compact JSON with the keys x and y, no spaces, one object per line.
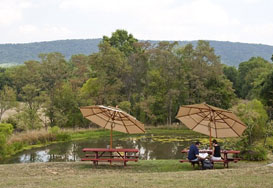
{"x":150,"y":147}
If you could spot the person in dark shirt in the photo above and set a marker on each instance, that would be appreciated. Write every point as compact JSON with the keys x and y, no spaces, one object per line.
{"x":216,"y":152}
{"x":193,"y":154}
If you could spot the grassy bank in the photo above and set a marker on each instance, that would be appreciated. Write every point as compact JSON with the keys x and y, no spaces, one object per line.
{"x":154,"y":174}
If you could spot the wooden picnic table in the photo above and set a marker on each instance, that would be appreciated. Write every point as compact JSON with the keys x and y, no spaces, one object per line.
{"x":110,"y":155}
{"x":227,"y":156}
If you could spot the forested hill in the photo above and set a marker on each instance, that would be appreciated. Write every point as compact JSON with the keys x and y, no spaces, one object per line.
{"x":231,"y":53}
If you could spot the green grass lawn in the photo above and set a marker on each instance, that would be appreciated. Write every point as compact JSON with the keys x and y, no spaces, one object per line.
{"x":153,"y":174}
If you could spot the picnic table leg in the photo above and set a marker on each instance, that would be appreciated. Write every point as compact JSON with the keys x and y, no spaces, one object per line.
{"x":125,"y":157}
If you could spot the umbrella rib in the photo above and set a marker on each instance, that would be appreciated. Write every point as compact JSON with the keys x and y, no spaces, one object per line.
{"x":214,"y":123}
{"x":123,"y":122}
{"x":199,"y":121}
{"x":125,"y":115}
{"x":227,"y":117}
{"x":228,"y":124}
{"x":103,"y":111}
{"x":192,"y":113}
{"x":101,"y":117}
{"x":231,"y":118}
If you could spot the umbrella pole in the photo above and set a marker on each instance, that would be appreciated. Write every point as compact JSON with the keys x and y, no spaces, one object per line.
{"x":111,"y":138}
{"x":210,"y":145}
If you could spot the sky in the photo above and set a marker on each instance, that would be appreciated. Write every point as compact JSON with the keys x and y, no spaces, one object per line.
{"x":249,"y":21}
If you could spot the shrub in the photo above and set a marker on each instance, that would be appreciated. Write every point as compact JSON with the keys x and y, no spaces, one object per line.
{"x":269,"y":143}
{"x":17,"y":146}
{"x":6,"y":128}
{"x":54,"y":130}
{"x":3,"y":145}
{"x":63,"y":137}
{"x":254,"y":153}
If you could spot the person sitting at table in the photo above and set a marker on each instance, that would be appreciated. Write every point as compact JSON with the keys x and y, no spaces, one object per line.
{"x":216,"y":152}
{"x":193,"y":154}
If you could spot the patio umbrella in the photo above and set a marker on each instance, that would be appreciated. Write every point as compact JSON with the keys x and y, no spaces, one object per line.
{"x":211,"y":121}
{"x":112,"y":118}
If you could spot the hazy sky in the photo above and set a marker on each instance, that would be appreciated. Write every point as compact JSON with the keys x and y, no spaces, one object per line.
{"x":248,"y":21}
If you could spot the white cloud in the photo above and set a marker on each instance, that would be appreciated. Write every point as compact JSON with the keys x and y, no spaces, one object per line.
{"x":32,"y":20}
{"x":11,"y":11}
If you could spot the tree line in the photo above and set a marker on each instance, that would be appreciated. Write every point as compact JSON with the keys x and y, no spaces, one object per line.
{"x":150,"y":81}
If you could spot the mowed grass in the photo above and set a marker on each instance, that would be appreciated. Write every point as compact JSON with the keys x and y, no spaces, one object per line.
{"x":151,"y":174}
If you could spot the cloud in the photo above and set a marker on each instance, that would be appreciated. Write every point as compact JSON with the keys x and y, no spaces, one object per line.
{"x":32,"y":20}
{"x":12,"y":11}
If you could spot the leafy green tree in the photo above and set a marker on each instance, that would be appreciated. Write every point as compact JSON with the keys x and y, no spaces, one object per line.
{"x":251,"y":75}
{"x":66,"y":103}
{"x":54,"y":71}
{"x":80,"y":70}
{"x":254,"y":115}
{"x":22,"y":75}
{"x":7,"y":100}
{"x":4,"y":78}
{"x":163,"y":82}
{"x":123,"y":41}
{"x":33,"y":99}
{"x":266,"y":92}
{"x":109,"y":67}
{"x":232,"y":74}
{"x":220,"y":92}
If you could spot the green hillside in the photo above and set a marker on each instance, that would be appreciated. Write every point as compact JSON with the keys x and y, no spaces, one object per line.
{"x":232,"y":53}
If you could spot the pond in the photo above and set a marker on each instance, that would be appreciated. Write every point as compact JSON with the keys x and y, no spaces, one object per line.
{"x":150,"y":147}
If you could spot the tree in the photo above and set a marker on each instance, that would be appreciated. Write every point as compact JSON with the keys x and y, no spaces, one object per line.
{"x":232,"y":73}
{"x":30,"y":118}
{"x":204,"y":78}
{"x":54,"y":70}
{"x":80,"y":70}
{"x":109,"y":67}
{"x":123,"y":41}
{"x":266,"y":92}
{"x":251,"y":74}
{"x":66,"y":104}
{"x":254,"y":115}
{"x":220,"y":92}
{"x":163,"y":82}
{"x":7,"y":100}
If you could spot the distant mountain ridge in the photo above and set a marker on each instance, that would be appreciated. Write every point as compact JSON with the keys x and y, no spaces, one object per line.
{"x":232,"y":53}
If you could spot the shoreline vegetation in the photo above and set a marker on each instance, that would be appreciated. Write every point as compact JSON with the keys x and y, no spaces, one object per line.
{"x":27,"y":140}
{"x":39,"y":138}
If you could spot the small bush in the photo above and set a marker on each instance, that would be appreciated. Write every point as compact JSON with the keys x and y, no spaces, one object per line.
{"x":254,"y":153}
{"x":17,"y":146}
{"x":269,"y":144}
{"x":54,"y":130}
{"x":63,"y":137}
{"x":6,"y":128}
{"x":3,"y":145}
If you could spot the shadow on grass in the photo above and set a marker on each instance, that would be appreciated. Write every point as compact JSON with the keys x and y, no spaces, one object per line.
{"x":142,"y":166}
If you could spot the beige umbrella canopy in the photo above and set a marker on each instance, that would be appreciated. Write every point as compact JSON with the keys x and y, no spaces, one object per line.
{"x":211,"y":121}
{"x":113,"y":119}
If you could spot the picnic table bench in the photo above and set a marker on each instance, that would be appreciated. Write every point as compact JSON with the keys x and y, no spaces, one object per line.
{"x":110,"y":155}
{"x":228,"y":156}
